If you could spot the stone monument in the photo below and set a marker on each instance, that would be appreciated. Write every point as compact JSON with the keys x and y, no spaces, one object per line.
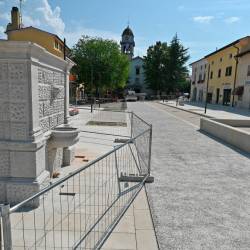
{"x":33,"y":115}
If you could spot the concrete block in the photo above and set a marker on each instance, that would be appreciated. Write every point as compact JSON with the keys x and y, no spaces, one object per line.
{"x":232,"y":135}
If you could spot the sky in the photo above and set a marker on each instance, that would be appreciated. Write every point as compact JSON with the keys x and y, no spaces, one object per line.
{"x":202,"y":26}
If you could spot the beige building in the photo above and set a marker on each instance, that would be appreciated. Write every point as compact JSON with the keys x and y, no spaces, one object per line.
{"x":198,"y":80}
{"x":242,"y":90}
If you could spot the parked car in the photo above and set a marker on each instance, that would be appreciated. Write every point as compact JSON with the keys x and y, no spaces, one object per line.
{"x":73,"y":111}
{"x":131,"y":96}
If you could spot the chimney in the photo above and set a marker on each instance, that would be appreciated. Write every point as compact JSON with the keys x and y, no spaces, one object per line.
{"x":15,"y":20}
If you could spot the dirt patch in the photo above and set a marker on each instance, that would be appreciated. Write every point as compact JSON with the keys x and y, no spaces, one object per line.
{"x":101,"y":123}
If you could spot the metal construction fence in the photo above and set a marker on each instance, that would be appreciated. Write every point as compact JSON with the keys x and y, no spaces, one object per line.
{"x":80,"y":211}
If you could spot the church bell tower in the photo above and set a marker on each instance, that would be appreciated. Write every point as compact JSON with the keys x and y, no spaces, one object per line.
{"x":128,"y":42}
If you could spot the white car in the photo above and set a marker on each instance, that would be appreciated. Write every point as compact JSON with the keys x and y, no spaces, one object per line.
{"x":131,"y":96}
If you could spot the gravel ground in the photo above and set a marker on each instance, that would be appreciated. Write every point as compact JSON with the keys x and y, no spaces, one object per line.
{"x":200,"y":198}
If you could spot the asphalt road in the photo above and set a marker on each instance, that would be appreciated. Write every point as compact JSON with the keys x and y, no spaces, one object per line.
{"x":200,"y":198}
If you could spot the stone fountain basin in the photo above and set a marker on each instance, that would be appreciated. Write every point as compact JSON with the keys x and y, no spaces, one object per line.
{"x":62,"y":137}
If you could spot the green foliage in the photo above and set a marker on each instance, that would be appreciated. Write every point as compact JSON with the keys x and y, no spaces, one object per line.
{"x":165,"y":66}
{"x":100,"y":64}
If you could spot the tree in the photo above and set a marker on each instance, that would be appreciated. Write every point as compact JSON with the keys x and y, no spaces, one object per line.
{"x":100,"y":64}
{"x":155,"y":66}
{"x":177,"y":68}
{"x":165,"y":66}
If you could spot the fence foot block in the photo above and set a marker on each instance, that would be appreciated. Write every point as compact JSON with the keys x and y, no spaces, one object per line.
{"x":136,"y":178}
{"x":122,"y":140}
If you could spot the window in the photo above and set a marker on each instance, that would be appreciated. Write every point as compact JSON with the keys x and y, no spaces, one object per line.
{"x":56,"y":45}
{"x":229,"y":71}
{"x":205,"y":66}
{"x":137,"y":71}
{"x":201,"y":67}
{"x":200,"y":77}
{"x":204,"y":77}
{"x":221,"y":59}
{"x":211,"y":75}
{"x":60,"y":47}
{"x":230,"y":56}
{"x":219,"y":73}
{"x":212,"y":62}
{"x":248,"y":70}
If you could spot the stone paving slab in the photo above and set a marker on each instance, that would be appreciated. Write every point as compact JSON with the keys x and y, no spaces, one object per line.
{"x":200,"y":198}
{"x":135,"y":231}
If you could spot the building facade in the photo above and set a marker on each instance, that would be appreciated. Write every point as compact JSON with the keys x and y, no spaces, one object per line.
{"x":242,"y":90}
{"x":136,"y":75}
{"x":225,"y":75}
{"x":221,"y":76}
{"x":198,"y":80}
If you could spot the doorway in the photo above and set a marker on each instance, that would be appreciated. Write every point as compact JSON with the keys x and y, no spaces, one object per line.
{"x":217,"y":95}
{"x":226,"y":97}
{"x":209,"y":97}
{"x":194,"y":94}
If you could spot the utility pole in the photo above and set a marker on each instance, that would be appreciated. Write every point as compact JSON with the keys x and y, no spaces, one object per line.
{"x":64,"y":49}
{"x":207,"y":88}
{"x":20,"y":14}
{"x":236,"y":69}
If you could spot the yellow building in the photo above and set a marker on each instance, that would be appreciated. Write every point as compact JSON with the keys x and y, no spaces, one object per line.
{"x":222,"y":72}
{"x":49,"y":41}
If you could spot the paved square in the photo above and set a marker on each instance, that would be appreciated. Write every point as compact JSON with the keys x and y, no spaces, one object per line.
{"x":200,"y":198}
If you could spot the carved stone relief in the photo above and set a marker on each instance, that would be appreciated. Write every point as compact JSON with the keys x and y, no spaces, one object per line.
{"x":4,"y":111}
{"x":53,"y":121}
{"x":18,"y":92}
{"x":60,"y":118}
{"x":17,"y":72}
{"x":45,"y":76}
{"x":44,"y":124}
{"x":44,"y":92}
{"x":4,"y":163}
{"x":4,"y":91}
{"x":18,"y":112}
{"x":3,"y":71}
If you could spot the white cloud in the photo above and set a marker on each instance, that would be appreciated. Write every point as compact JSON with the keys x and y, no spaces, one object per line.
{"x":74,"y":35}
{"x":5,"y":16}
{"x":203,"y":19}
{"x":29,"y":21}
{"x":180,"y":7}
{"x":52,"y":17}
{"x":2,"y":29}
{"x":233,"y":19}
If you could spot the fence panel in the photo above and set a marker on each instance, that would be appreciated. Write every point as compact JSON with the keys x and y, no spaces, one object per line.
{"x":80,"y":210}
